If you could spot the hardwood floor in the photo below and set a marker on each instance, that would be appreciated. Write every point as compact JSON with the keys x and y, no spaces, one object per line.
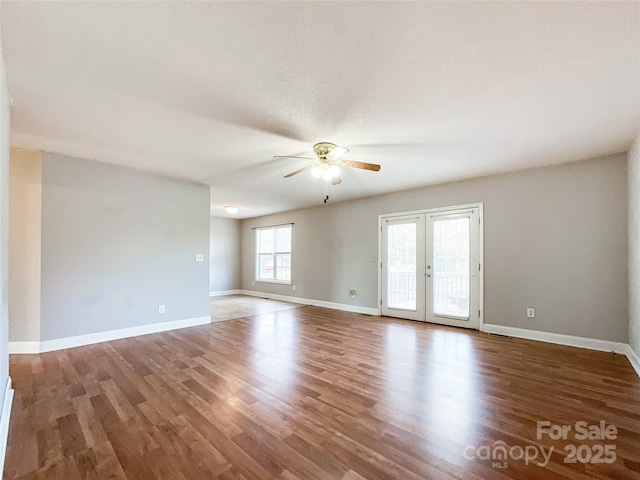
{"x":314,"y":393}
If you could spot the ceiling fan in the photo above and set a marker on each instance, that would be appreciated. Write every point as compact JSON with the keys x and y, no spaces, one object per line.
{"x":327,"y":164}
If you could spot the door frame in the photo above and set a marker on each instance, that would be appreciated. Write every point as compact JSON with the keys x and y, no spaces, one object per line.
{"x":480,"y":207}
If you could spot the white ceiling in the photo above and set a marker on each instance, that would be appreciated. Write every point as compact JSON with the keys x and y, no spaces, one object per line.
{"x":433,"y":92}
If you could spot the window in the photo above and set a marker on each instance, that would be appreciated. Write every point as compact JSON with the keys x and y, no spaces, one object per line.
{"x":273,"y":254}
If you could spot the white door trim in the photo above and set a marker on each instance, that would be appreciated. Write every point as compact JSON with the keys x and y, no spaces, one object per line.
{"x":4,"y":421}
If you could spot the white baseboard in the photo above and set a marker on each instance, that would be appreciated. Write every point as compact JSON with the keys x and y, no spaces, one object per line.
{"x":80,"y":340}
{"x":220,"y":293}
{"x":559,"y":338}
{"x":24,"y":347}
{"x":310,"y":301}
{"x":634,"y":359}
{"x":4,"y":421}
{"x":569,"y":340}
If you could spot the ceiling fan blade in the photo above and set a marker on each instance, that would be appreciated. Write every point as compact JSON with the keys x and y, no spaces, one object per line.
{"x":298,"y":171}
{"x":290,"y":156}
{"x":362,"y":165}
{"x":336,"y":181}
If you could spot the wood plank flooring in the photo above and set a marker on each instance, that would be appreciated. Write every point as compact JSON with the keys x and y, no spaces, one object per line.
{"x":312,"y":393}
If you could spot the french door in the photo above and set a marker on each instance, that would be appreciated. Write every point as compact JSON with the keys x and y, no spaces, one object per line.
{"x":403,"y":266}
{"x":431,"y":266}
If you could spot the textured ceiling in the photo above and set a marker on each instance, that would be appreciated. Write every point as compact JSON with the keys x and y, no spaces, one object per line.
{"x":433,"y":92}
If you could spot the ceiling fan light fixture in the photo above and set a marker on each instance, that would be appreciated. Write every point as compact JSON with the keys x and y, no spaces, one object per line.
{"x":231,"y":209}
{"x":327,"y":175}
{"x":334,"y":170}
{"x":316,"y":171}
{"x":337,"y":152}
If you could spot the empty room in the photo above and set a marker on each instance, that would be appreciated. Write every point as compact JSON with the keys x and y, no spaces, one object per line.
{"x":319,"y":240}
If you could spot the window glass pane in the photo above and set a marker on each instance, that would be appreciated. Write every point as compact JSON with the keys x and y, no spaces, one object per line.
{"x":451,"y":267}
{"x":283,"y":239}
{"x":273,"y":253}
{"x":265,"y":240}
{"x":265,"y":266}
{"x":283,"y":267}
{"x":401,"y":268}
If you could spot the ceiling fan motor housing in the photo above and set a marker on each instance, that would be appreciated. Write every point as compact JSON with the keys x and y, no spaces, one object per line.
{"x":323,"y":149}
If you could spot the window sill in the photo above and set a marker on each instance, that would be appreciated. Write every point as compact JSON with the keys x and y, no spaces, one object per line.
{"x":277,"y":282}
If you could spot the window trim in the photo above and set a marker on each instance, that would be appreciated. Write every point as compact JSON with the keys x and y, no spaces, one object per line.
{"x":273,"y":254}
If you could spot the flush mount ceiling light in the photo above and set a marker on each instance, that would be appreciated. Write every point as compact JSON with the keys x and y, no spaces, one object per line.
{"x":231,"y":209}
{"x":327,"y":164}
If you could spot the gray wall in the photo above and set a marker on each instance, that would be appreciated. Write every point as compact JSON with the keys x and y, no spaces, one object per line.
{"x":555,"y":239}
{"x":4,"y":227}
{"x":224,"y":248}
{"x":116,"y":243}
{"x":634,"y":246}
{"x":25,"y":221}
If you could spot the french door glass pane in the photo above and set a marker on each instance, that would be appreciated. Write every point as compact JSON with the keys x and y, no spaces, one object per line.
{"x":265,"y":266}
{"x":451,"y":267}
{"x":402,"y":266}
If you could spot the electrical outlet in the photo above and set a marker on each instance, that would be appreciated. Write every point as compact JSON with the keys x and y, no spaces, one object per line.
{"x":199,"y":258}
{"x":294,"y":288}
{"x":352,"y":292}
{"x":531,"y":312}
{"x":160,"y":308}
{"x":253,"y":284}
